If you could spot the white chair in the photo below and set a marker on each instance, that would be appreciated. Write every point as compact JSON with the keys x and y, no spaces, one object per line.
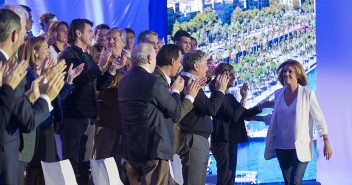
{"x":176,"y":169}
{"x":105,"y":172}
{"x":59,"y":173}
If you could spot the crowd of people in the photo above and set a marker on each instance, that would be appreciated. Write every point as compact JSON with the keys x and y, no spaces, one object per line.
{"x":64,"y":98}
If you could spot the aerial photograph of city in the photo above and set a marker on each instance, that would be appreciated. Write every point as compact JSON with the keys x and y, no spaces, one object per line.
{"x":255,"y":36}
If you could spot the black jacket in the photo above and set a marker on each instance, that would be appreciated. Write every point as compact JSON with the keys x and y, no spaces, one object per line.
{"x":229,"y":121}
{"x":81,"y":104}
{"x":198,"y":121}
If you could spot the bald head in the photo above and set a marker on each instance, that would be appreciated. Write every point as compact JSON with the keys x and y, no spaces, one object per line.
{"x":144,"y":55}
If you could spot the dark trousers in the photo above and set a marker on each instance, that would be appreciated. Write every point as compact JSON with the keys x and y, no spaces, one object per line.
{"x":225,"y":154}
{"x":45,"y":151}
{"x":155,"y":172}
{"x":77,"y":136}
{"x":21,"y":169}
{"x":107,"y":143}
{"x":233,"y":147}
{"x":9,"y":166}
{"x":221,"y":155}
{"x":34,"y":177}
{"x":292,"y":169}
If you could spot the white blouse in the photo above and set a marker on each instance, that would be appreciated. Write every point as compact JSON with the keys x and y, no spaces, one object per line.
{"x":286,"y":116}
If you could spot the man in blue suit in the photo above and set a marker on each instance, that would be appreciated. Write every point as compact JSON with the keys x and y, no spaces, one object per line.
{"x":25,"y":117}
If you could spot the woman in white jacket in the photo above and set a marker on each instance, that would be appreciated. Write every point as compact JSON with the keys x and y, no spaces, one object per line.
{"x":290,"y":135}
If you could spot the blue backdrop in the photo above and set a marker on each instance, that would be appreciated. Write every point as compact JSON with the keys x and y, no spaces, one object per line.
{"x":136,"y":14}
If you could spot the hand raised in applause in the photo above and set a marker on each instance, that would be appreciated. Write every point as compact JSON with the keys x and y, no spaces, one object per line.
{"x":193,"y":86}
{"x":73,"y":73}
{"x":53,"y":86}
{"x":55,"y":69}
{"x":12,"y":73}
{"x":118,"y":63}
{"x":104,"y":60}
{"x":244,"y":92}
{"x":178,"y":83}
{"x":33,"y":93}
{"x":46,"y":65}
{"x":222,"y":81}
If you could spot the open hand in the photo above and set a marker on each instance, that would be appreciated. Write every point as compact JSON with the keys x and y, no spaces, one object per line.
{"x":178,"y":84}
{"x":53,"y":70}
{"x":33,"y":93}
{"x":12,"y":73}
{"x":73,"y":73}
{"x":222,"y":81}
{"x":193,"y":86}
{"x":54,"y":85}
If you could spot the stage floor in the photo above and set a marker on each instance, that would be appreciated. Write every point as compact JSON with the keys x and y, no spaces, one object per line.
{"x":211,"y":180}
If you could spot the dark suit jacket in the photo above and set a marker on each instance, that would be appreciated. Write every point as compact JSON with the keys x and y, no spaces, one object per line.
{"x":186,"y":107}
{"x":229,"y":121}
{"x":6,"y":104}
{"x":24,"y":117}
{"x":81,"y":104}
{"x":198,"y":120}
{"x":146,"y":109}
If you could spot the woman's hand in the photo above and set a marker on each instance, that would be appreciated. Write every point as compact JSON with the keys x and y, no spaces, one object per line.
{"x":244,"y":92}
{"x":327,"y":149}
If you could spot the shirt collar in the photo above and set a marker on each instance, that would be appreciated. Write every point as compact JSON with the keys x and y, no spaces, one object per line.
{"x":80,"y":50}
{"x":145,"y":69}
{"x":5,"y":54}
{"x":183,"y":73}
{"x":168,"y":79}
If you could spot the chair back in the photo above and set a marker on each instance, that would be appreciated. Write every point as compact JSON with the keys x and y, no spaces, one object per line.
{"x":59,"y":173}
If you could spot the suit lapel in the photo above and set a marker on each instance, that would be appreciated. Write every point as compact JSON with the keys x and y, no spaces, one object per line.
{"x":158,"y":72}
{"x":2,"y":57}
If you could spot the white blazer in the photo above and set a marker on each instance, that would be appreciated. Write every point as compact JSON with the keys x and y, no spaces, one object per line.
{"x":307,"y":111}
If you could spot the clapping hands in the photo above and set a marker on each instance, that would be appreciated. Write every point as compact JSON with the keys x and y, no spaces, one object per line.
{"x":12,"y":73}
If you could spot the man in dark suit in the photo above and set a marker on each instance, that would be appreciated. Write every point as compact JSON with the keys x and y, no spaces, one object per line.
{"x":24,"y":116}
{"x":146,"y":110}
{"x":10,"y":77}
{"x":196,"y":126}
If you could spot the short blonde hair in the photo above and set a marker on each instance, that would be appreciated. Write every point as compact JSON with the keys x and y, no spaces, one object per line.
{"x":299,"y":71}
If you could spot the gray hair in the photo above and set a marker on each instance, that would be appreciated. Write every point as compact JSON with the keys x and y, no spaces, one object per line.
{"x":143,"y":36}
{"x":121,"y":31}
{"x":9,"y":22}
{"x":191,"y":58}
{"x":20,"y":11}
{"x":140,"y":54}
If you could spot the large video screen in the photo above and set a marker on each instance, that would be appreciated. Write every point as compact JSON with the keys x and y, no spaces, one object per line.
{"x":255,"y":36}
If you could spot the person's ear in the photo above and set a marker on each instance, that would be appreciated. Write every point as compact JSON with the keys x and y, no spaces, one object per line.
{"x":149,"y":59}
{"x":196,"y":66}
{"x":14,"y":36}
{"x":173,"y":61}
{"x":78,"y":33}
